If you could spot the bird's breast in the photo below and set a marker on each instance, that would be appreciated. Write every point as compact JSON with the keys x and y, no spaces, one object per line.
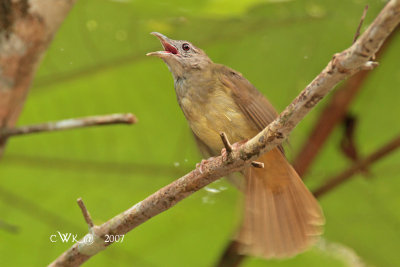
{"x":212,"y":114}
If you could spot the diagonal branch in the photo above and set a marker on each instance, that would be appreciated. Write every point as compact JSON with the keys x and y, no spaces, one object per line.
{"x":362,"y":164}
{"x":343,"y":65}
{"x":68,"y":124}
{"x":332,"y":115}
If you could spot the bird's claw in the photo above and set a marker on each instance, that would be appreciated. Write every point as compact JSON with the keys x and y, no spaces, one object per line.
{"x":201,"y":164}
{"x":224,"y":154}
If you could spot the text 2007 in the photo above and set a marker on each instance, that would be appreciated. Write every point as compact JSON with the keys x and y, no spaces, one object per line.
{"x":114,"y":238}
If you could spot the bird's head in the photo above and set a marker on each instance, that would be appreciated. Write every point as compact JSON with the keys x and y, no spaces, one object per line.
{"x":180,"y":56}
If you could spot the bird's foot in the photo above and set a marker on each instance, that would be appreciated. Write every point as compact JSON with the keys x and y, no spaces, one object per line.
{"x":224,"y":154}
{"x":200,"y":165}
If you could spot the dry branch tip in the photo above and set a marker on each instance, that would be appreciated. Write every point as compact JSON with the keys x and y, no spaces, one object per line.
{"x":360,"y":24}
{"x":67,"y":124}
{"x":226,"y":142}
{"x":85,"y":213}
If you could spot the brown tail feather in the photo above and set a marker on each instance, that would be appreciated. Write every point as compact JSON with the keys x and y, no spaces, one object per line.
{"x":282,"y":217}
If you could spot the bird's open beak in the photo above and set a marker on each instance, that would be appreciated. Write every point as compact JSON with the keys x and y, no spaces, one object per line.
{"x":169,"y":48}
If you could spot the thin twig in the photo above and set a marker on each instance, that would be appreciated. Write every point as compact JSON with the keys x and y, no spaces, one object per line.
{"x":360,"y":24}
{"x":360,"y":165}
{"x":226,"y":142}
{"x":68,"y":124}
{"x":85,"y":212}
{"x":342,"y":66}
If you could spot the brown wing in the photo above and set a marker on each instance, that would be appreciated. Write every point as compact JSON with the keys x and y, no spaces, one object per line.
{"x":250,"y":101}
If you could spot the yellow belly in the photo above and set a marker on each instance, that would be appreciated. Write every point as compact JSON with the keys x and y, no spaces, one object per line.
{"x":219,"y":114}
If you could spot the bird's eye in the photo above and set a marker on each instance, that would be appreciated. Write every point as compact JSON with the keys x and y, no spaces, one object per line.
{"x":186,"y":47}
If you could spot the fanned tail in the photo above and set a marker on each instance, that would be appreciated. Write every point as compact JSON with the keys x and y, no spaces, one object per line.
{"x":282,"y":217}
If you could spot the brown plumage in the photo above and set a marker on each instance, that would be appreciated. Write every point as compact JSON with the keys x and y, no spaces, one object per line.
{"x":281,"y":218}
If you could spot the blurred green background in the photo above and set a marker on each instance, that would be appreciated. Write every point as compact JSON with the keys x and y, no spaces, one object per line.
{"x":97,"y":65}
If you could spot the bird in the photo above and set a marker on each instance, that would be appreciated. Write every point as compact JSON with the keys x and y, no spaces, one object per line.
{"x":281,"y":217}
